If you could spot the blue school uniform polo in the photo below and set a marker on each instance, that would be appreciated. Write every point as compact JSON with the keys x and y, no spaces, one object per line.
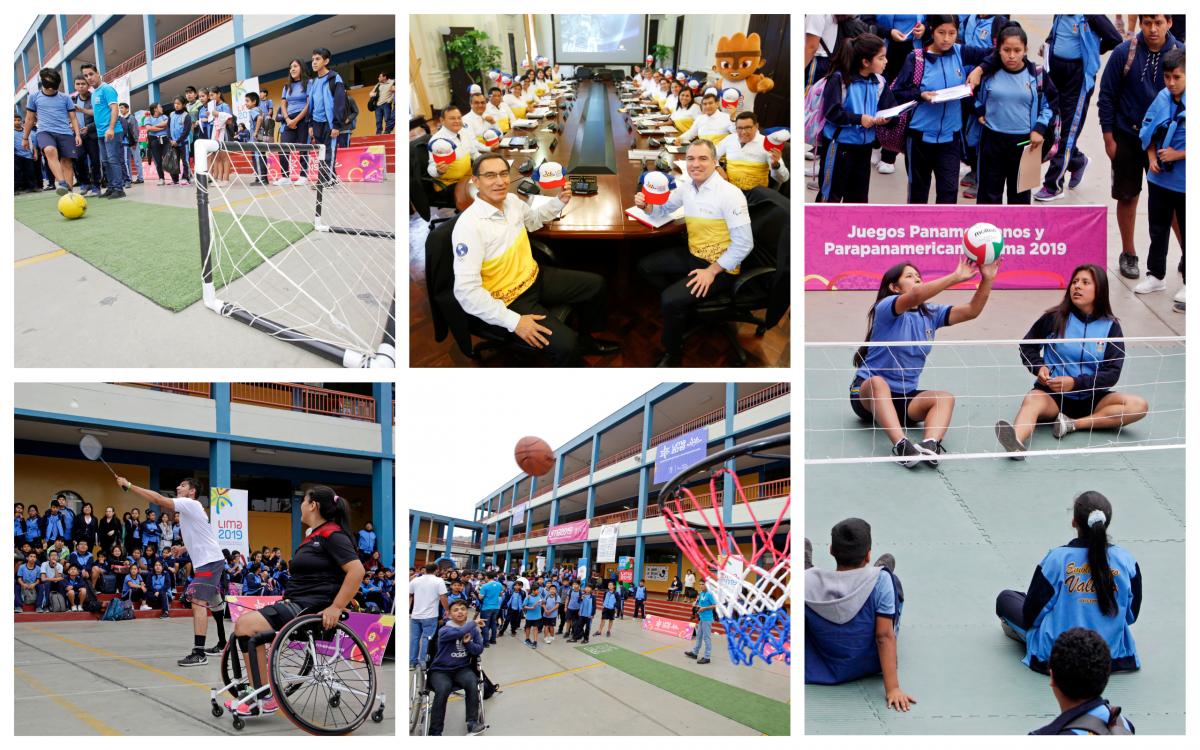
{"x":901,"y":366}
{"x":52,"y":112}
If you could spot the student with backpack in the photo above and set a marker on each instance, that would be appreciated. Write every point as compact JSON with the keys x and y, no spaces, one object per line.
{"x":327,"y":96}
{"x":900,"y":33}
{"x":51,"y":581}
{"x":1080,"y":664}
{"x":1016,"y":107}
{"x":514,"y":604}
{"x":180,"y":126}
{"x":583,"y":623}
{"x":853,"y":93}
{"x":1164,"y":136}
{"x":29,"y":578}
{"x":975,"y":31}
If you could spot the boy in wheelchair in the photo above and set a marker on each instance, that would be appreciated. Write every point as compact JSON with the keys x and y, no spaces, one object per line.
{"x":454,"y":665}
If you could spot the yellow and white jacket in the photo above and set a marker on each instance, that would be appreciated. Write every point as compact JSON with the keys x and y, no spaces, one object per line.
{"x":712,"y":127}
{"x":749,"y":166}
{"x":465,"y":149}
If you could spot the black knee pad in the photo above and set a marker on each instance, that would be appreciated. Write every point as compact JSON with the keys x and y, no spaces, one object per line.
{"x":243,"y":643}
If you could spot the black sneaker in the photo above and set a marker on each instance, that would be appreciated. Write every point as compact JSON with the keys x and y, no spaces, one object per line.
{"x":116,"y":194}
{"x":905,"y":448}
{"x":931,"y":446}
{"x":704,"y":660}
{"x":1129,"y":266}
{"x":887,"y":562}
{"x":476,"y":728}
{"x":689,"y":654}
{"x":1007,"y":435}
{"x":194,"y":659}
{"x":215,"y":649}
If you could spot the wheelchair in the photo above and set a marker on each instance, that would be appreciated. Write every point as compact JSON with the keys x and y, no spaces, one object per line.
{"x":420,"y":694}
{"x":323,"y":680}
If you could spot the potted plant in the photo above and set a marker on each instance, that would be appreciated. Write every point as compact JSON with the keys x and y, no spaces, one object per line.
{"x":662,"y":53}
{"x":472,"y":52}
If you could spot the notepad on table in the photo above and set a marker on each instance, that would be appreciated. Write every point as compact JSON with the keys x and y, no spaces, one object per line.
{"x":654,"y":222}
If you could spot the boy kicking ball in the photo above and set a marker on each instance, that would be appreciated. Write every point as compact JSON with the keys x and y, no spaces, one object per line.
{"x":58,"y":129}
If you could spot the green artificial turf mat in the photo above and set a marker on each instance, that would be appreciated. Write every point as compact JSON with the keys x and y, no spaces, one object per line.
{"x":153,"y":249}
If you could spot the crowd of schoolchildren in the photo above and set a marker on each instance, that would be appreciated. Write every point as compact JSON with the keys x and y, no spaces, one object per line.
{"x":1073,"y":622}
{"x":860,"y":66}
{"x":86,"y":140}
{"x":64,"y":560}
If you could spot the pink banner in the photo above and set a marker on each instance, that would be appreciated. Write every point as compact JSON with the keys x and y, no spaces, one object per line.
{"x":678,"y":628}
{"x":850,"y":246}
{"x":240,"y":604}
{"x":354,"y":164}
{"x":575,"y":531}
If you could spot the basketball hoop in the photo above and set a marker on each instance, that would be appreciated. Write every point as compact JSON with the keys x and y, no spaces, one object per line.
{"x":752,"y":593}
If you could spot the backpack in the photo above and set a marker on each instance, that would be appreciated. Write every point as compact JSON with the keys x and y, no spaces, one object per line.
{"x":115,"y":611}
{"x":1096,"y":726}
{"x":891,"y":135}
{"x":489,"y":688}
{"x":92,"y":604}
{"x":58,"y":602}
{"x":28,"y":596}
{"x":108,"y":583}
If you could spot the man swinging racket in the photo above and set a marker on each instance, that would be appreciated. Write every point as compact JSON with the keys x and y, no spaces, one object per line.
{"x":207,"y":561}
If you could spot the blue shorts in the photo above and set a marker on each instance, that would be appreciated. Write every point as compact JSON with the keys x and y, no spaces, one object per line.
{"x":64,"y":143}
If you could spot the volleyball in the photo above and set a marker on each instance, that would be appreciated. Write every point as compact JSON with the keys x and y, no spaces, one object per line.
{"x":72,"y":205}
{"x":983,"y":243}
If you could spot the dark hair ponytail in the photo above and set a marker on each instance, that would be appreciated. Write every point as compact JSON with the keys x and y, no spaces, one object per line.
{"x":1012,"y":28}
{"x":891,"y":276}
{"x":848,"y":57}
{"x":1093,"y":514}
{"x":330,"y":506}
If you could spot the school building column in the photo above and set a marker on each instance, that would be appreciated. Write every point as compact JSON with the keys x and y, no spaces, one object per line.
{"x":449,"y":537}
{"x":585,"y":558}
{"x":220,"y":473}
{"x":41,"y":46}
{"x":98,"y":52}
{"x":483,"y":535}
{"x":151,"y":36}
{"x":639,"y":557}
{"x":553,"y":523}
{"x":729,"y":488}
{"x":241,"y":62}
{"x":413,"y":533}
{"x":382,"y":475}
{"x":507,"y":560}
{"x":643,"y":492}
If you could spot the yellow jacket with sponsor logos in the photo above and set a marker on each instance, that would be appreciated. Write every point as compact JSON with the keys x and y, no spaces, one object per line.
{"x":750,"y":166}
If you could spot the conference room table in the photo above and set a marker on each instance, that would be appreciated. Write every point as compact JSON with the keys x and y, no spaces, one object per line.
{"x":599,"y":216}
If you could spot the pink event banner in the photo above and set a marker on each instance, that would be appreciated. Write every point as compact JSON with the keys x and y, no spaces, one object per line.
{"x":575,"y":531}
{"x":850,"y":246}
{"x":677,"y":628}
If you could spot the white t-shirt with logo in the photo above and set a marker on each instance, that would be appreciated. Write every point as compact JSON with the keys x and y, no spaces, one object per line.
{"x":426,"y":590}
{"x":198,"y":534}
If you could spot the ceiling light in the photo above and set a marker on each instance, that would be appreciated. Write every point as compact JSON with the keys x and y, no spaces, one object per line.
{"x":346,"y":30}
{"x":89,"y":431}
{"x":265,"y":451}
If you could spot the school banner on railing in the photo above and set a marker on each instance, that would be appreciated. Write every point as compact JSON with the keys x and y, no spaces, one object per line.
{"x":673,"y":456}
{"x":850,"y":246}
{"x":229,"y":516}
{"x":575,"y":531}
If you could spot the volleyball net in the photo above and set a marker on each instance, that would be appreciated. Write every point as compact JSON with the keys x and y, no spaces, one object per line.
{"x":988,"y":381}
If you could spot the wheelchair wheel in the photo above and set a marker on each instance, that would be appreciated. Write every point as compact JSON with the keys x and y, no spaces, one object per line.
{"x":317,"y":684}
{"x":416,"y":689}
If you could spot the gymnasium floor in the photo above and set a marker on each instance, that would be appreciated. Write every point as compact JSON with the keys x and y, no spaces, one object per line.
{"x":967,"y":530}
{"x":68,"y":313}
{"x":121,"y":679}
{"x":535,"y":684}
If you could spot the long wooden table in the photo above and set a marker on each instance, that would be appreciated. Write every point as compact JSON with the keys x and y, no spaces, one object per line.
{"x":600,"y":216}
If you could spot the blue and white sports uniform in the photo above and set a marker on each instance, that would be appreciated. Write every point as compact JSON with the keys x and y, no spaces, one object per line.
{"x":1095,"y":366}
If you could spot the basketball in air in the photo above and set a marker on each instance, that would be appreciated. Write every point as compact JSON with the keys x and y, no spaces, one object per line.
{"x":983,"y":243}
{"x":72,"y":205}
{"x":534,"y":456}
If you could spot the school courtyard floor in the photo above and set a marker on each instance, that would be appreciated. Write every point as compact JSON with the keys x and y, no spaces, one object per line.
{"x":68,"y":313}
{"x":120,"y":678}
{"x":841,"y":316}
{"x":634,"y":683}
{"x":964,"y":531}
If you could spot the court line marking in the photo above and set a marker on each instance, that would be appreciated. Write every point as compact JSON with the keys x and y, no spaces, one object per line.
{"x":39,"y":258}
{"x":125,"y":659}
{"x":87,"y":718}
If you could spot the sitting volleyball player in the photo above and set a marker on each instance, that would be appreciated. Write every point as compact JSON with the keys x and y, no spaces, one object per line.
{"x":200,"y":542}
{"x":497,"y":280}
{"x":885,"y":390}
{"x":1079,"y":668}
{"x":1074,"y":379}
{"x":752,"y":159}
{"x":852,"y":615}
{"x":1085,"y":582}
{"x":458,"y":640}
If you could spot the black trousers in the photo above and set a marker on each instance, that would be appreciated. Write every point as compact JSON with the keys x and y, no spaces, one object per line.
{"x":514,"y":621}
{"x":568,"y":623}
{"x":1164,"y":205}
{"x":639,"y":608}
{"x":445,"y":683}
{"x":999,"y":162}
{"x":320,"y":135}
{"x":26,"y":178}
{"x":1067,"y":77}
{"x":293,"y":135}
{"x":1010,"y":605}
{"x":936,"y":162}
{"x":849,"y":180}
{"x":158,"y":147}
{"x":583,"y":628}
{"x":584,"y":291}
{"x":88,"y":169}
{"x":181,"y":151}
{"x":668,"y":270}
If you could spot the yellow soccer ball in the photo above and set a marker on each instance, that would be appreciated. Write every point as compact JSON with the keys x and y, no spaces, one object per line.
{"x":72,"y":206}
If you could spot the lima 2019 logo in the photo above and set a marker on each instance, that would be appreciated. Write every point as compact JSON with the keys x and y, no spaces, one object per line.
{"x":220,"y":499}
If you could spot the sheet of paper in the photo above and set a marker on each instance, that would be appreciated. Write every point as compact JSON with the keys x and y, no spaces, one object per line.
{"x":537,"y":201}
{"x":950,"y":94}
{"x":637,"y":154}
{"x":654,"y":221}
{"x":1029,"y":174}
{"x":524,"y":123}
{"x":893,"y":111}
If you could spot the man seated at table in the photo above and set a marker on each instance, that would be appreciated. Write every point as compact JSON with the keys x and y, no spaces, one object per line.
{"x":516,"y":101}
{"x":497,"y":112}
{"x":445,"y":171}
{"x":477,"y":119}
{"x":497,"y":280}
{"x":718,"y":240}
{"x":748,"y":162}
{"x":712,"y":125}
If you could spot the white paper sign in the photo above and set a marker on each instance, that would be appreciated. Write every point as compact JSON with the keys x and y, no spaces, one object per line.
{"x":607,"y":544}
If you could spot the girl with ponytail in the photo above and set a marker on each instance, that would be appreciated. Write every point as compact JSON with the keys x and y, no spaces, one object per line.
{"x":1086,"y":583}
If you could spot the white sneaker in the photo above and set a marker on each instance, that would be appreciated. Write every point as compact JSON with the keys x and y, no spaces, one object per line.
{"x":1149,"y":284}
{"x":143,"y":607}
{"x":282,"y":181}
{"x":299,"y":181}
{"x":885,"y":168}
{"x":1180,"y":296}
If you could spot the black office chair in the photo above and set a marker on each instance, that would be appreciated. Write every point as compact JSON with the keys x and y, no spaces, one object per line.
{"x":785,"y":189}
{"x":421,"y":191}
{"x":764,"y":283}
{"x":448,"y":316}
{"x":583,"y":73}
{"x":604,"y":74}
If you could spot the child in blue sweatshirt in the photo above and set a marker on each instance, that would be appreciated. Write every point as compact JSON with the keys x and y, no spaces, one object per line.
{"x":853,"y":93}
{"x":583,"y":621}
{"x":458,"y":640}
{"x":1164,"y":137}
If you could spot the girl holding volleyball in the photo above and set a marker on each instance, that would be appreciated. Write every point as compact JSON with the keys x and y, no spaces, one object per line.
{"x":1074,"y":378}
{"x":885,"y":390}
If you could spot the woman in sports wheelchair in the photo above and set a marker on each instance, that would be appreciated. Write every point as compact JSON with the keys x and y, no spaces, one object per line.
{"x":320,"y":671}
{"x":452,"y":665}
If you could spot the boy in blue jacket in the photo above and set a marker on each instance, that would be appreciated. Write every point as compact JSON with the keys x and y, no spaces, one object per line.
{"x":514,"y":602}
{"x":583,"y":622}
{"x":1164,"y":137}
{"x":457,"y":642}
{"x":327,"y":95}
{"x":1079,"y":670}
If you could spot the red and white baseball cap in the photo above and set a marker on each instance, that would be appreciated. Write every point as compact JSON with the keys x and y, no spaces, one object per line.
{"x":491,"y":137}
{"x":712,"y":90}
{"x":693,"y":84}
{"x":649,"y":59}
{"x":442,"y":150}
{"x":549,"y":175}
{"x":731,"y":98}
{"x":681,"y":77}
{"x":505,"y":79}
{"x":474,"y":89}
{"x":656,"y":187}
{"x":776,"y":139}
